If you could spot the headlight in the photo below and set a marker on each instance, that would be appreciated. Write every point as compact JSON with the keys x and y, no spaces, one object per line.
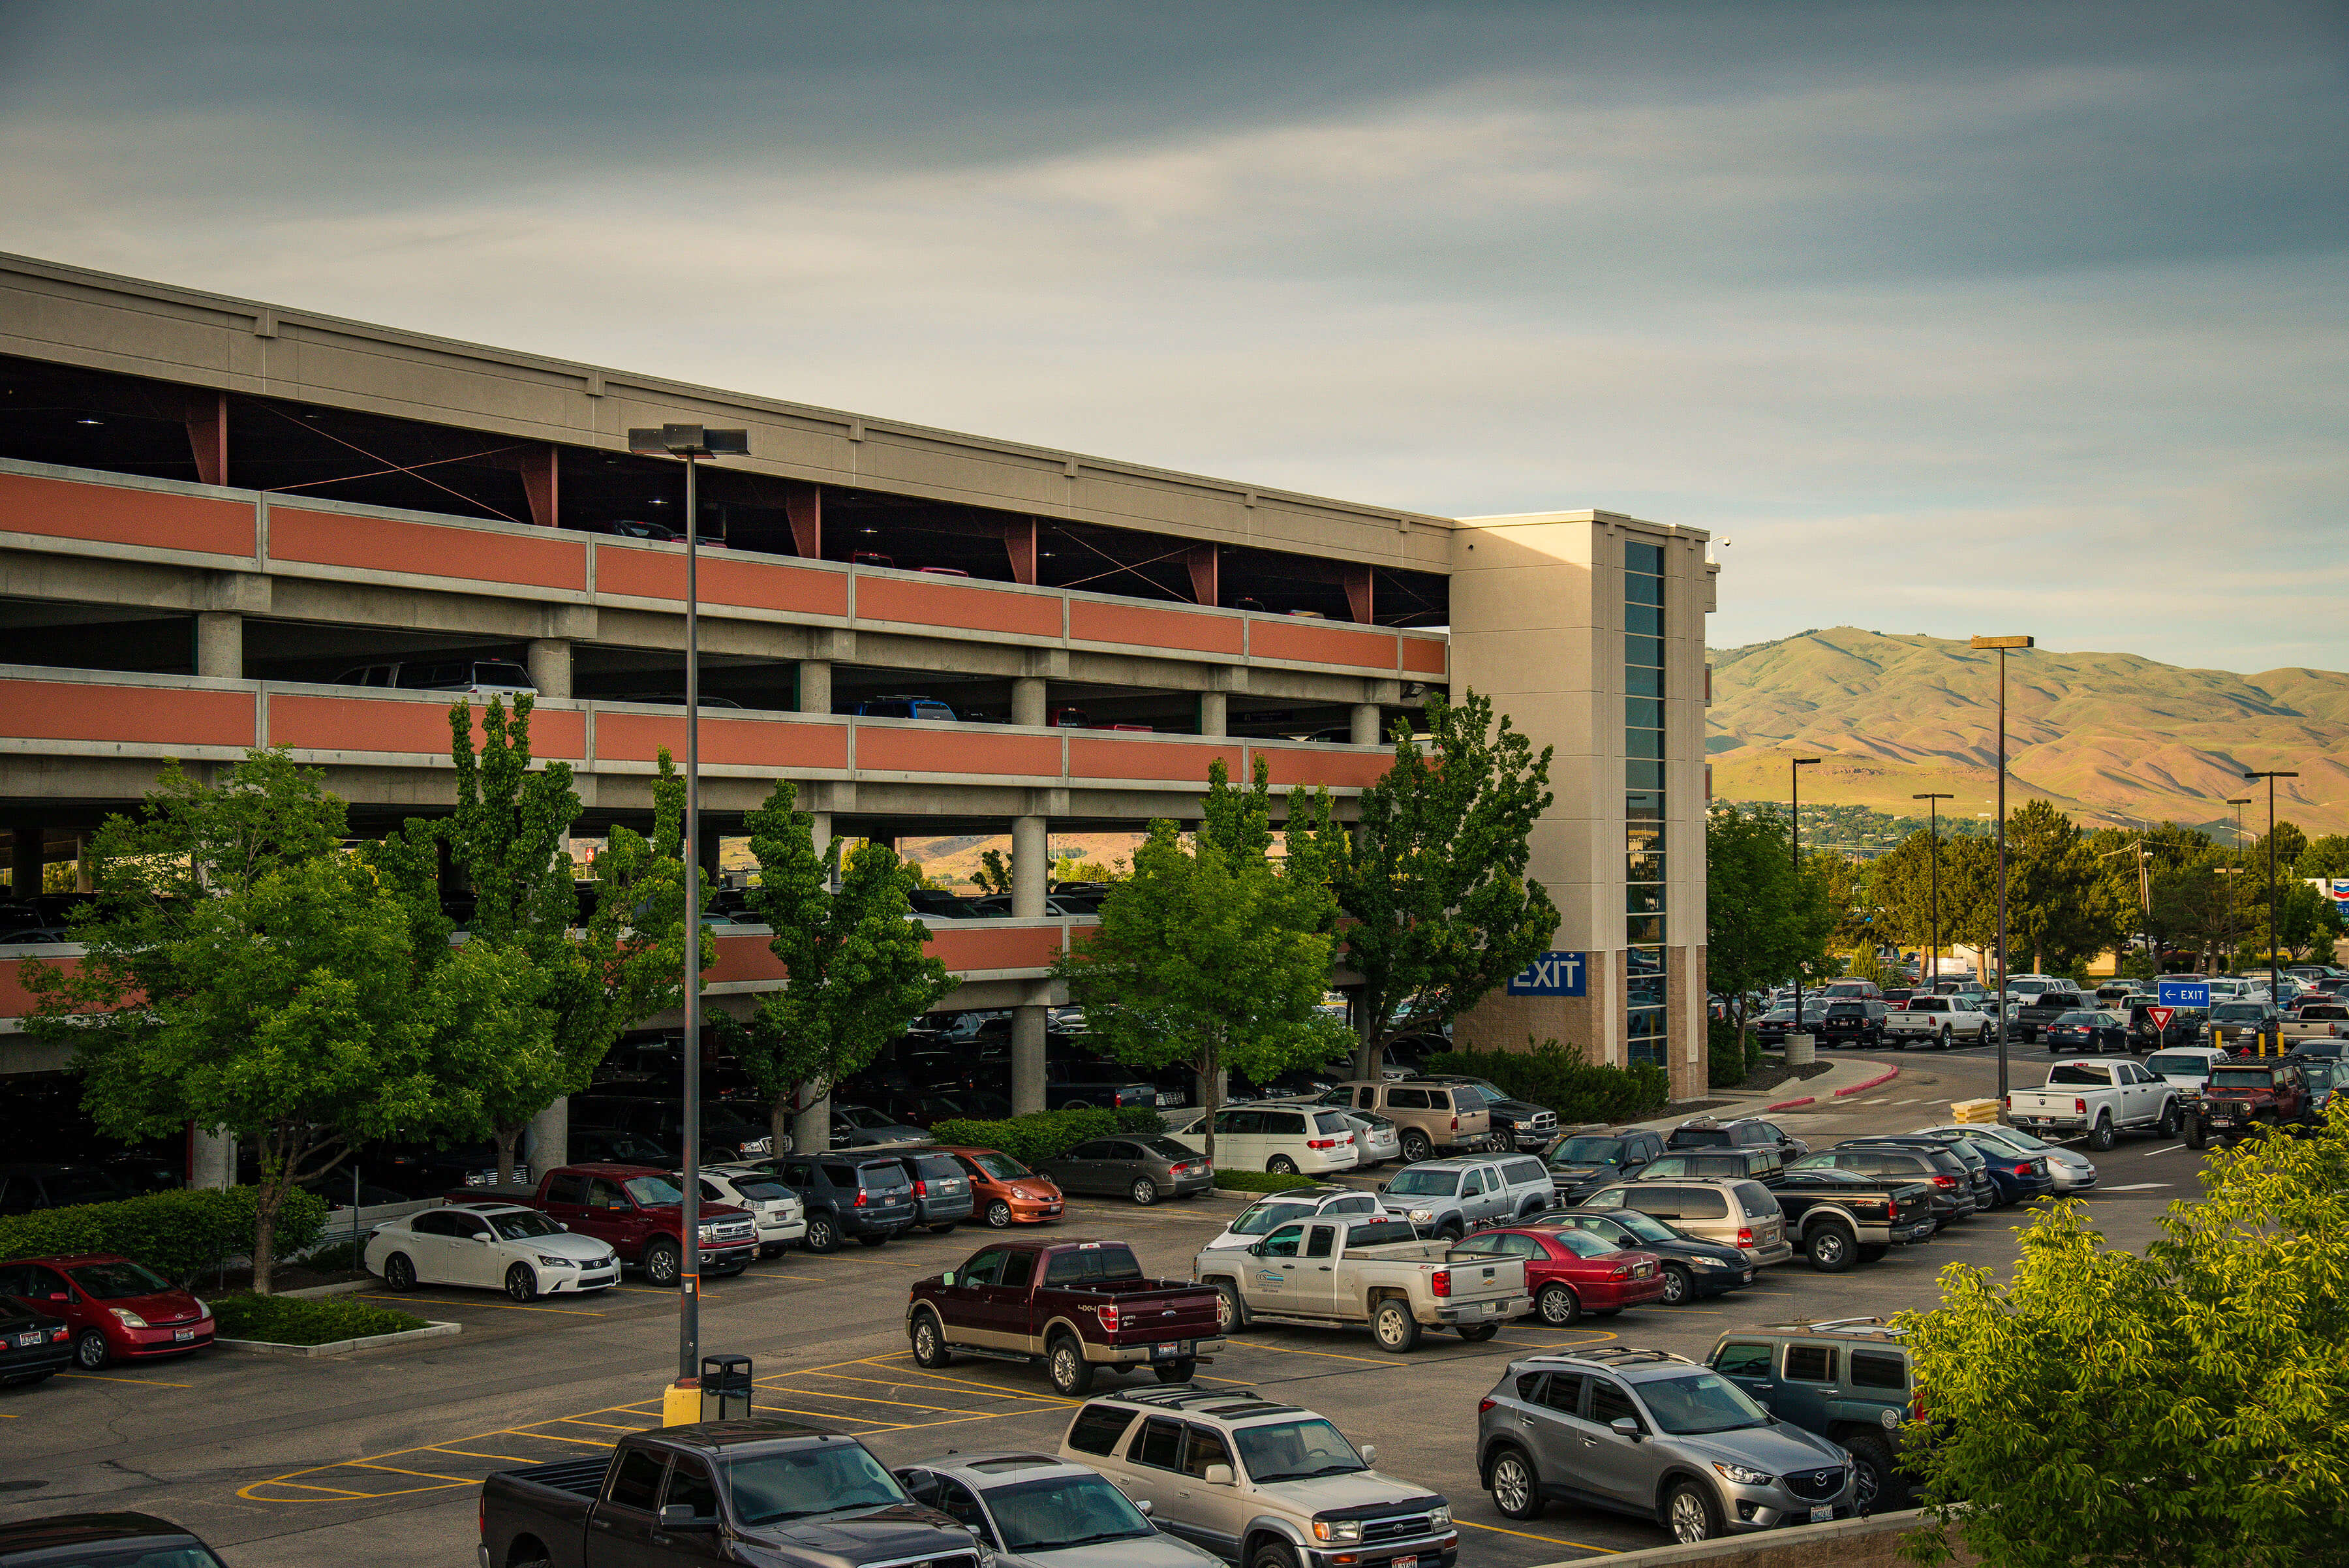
{"x":708,"y":1233}
{"x":1709,"y":1262}
{"x":1423,"y":1216}
{"x":1337,"y":1530}
{"x":1439,"y":1516}
{"x":549,"y":1261}
{"x":129,"y":1319}
{"x":1741,"y":1475}
{"x":202,"y":1309}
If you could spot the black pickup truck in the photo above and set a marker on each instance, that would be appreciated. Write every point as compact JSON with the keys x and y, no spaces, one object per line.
{"x":761,"y":1491}
{"x":2034,"y":1015}
{"x":1836,"y":1218}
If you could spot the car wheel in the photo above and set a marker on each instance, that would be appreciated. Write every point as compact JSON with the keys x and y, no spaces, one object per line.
{"x":1693,"y":1515}
{"x":1875,"y":1484}
{"x":662,"y":1262}
{"x":929,"y":1344}
{"x":880,"y":1240}
{"x":1477,"y":1332}
{"x":1230,"y":1317}
{"x":822,"y":1235}
{"x":399,"y":1273}
{"x":2103,"y":1138}
{"x":1416,"y":1146}
{"x":1677,"y":1285}
{"x":2196,"y":1137}
{"x":521,"y":1283}
{"x":1945,"y":1036}
{"x":2169,"y":1120}
{"x":1176,"y":1371}
{"x":1831,"y":1248}
{"x":1145,"y":1191}
{"x":1281,"y":1165}
{"x":998,"y":1214}
{"x":1453,"y":1230}
{"x":89,"y":1350}
{"x":1072,"y":1374}
{"x":1515,"y":1491}
{"x":1273,"y":1554}
{"x":1987,"y":1036}
{"x":1393,"y":1326}
{"x":1559,"y":1307}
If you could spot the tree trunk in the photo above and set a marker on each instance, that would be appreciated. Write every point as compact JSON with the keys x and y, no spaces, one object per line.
{"x":1211,"y":1094}
{"x":268,"y":1196}
{"x":780,"y":1114}
{"x":1366,"y":1053}
{"x":506,"y":1137}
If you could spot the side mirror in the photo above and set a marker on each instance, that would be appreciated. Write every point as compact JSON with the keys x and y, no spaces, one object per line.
{"x":681,"y":1516}
{"x":485,"y":1240}
{"x":1218,"y":1475}
{"x":1255,"y":1249}
{"x":1625,"y":1426}
{"x":1382,"y":1187}
{"x":1142,"y":1505}
{"x":1369,"y":1453}
{"x":947,"y":1278}
{"x":561,"y":1226}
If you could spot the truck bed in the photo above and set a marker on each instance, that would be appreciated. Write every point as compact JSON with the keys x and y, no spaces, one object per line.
{"x":579,"y":1478}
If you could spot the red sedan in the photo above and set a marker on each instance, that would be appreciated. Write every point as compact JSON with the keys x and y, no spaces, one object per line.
{"x":117,"y":1310}
{"x":1571,"y":1272}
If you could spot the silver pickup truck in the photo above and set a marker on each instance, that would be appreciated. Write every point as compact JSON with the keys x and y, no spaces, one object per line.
{"x":1345,"y":1272}
{"x":1943,"y":1021}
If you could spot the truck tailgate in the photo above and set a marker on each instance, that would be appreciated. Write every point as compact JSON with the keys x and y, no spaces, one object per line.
{"x":1150,"y":1317}
{"x":1474,"y":1277}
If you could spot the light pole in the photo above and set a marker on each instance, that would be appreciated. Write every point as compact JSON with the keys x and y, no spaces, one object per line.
{"x":1794,"y":830}
{"x":2275,"y":980}
{"x":688,"y":442}
{"x":1933,"y":839}
{"x":2239,"y":805}
{"x":2002,"y":644}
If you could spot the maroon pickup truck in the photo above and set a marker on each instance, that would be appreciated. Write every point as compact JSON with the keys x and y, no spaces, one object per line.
{"x":637,"y":1209}
{"x":1073,"y":1305}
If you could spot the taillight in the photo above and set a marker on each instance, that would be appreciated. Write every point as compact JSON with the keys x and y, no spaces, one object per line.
{"x":860,"y":1198}
{"x":1620,"y":1271}
{"x":1109,"y":1317}
{"x":1483,"y":1405}
{"x":1945,"y":1182}
{"x":1745,"y":1236}
{"x":921,"y":1190}
{"x":1456,"y":1124}
{"x":482,"y":1508}
{"x":1320,"y":1143}
{"x":1439,"y":1281}
{"x":2080,"y":1107}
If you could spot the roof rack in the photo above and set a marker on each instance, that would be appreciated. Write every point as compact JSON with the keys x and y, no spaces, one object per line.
{"x":1615,"y":1355}
{"x":1838,"y":1325}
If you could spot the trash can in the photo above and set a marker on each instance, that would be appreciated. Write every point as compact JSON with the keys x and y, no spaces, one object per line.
{"x":1801,"y":1049}
{"x":725,"y":1387}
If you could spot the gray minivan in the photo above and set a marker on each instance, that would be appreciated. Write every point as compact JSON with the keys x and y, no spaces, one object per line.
{"x":1736,"y":1213}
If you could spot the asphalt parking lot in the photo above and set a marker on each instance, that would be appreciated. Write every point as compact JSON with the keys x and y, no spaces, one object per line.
{"x":377,"y":1459}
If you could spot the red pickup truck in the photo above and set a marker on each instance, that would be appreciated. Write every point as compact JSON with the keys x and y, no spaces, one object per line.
{"x":638,"y":1210}
{"x":1073,"y":1305}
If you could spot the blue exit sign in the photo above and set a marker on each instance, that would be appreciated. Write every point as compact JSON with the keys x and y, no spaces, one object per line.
{"x":1553,"y":974}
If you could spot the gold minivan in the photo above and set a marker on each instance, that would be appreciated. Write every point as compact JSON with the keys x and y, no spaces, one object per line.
{"x":1428,"y":1118}
{"x":1735,"y":1213}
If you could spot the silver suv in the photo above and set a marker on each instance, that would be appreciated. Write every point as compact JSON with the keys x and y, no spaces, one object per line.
{"x":1649,"y":1433}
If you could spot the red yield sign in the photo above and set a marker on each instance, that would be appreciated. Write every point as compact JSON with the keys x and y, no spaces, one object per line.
{"x":2161,"y":1017}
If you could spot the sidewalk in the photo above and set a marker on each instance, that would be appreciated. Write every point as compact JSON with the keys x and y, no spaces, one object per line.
{"x":1844,"y":1076}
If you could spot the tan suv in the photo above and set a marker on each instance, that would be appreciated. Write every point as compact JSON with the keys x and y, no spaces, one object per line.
{"x":1741,"y":1214}
{"x":1429,"y":1116}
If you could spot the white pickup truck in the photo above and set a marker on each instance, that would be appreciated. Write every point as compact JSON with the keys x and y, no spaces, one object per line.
{"x":1942,"y":1021}
{"x":2100,"y":1098}
{"x":1344,"y":1270}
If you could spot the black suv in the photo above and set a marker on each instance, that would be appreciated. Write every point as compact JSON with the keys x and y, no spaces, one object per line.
{"x":1986,"y":1193}
{"x":1515,"y":1123}
{"x":1585,"y":1162}
{"x":1954,"y":1188}
{"x":1764,"y":1164}
{"x":1859,"y":1022}
{"x":1746,"y":1132}
{"x":941,"y":1191}
{"x":847,"y":1193}
{"x":1847,"y":1380}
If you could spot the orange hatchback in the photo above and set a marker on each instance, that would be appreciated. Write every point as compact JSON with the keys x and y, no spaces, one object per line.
{"x":1005,"y":1192}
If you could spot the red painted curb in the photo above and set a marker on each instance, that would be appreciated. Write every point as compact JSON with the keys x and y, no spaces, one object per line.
{"x":1872,"y":1082}
{"x":1790,"y":1104}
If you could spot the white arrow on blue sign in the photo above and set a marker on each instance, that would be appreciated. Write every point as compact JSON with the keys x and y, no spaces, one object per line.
{"x":2183,"y":992}
{"x":1553,"y":974}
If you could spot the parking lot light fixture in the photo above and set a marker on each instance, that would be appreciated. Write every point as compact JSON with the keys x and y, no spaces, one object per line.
{"x":2001,"y":645}
{"x":1933,"y":842}
{"x":1795,"y":832}
{"x":2275,"y":981}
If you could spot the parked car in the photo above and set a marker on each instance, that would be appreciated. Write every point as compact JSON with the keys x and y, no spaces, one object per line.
{"x":639,"y":1212}
{"x":473,"y":677}
{"x":1053,"y":1515}
{"x":115,"y":1309}
{"x":2102,"y":1099}
{"x":862,"y":1126}
{"x":1694,"y":1267}
{"x":1943,"y":1021}
{"x":2185,"y":1069}
{"x":1762,"y":1165}
{"x":726,"y":1132}
{"x":1772,"y":1027}
{"x":2071,"y":1171}
{"x":27,"y":1187}
{"x":1431,"y":1118}
{"x":88,"y":1540}
{"x":1286,"y":1140}
{"x":2251,"y":1095}
{"x":1005,"y":1192}
{"x":34,"y":1343}
{"x":1988,"y":1194}
{"x":1656,"y":1436}
{"x":907,"y":706}
{"x":1515,"y":1123}
{"x":611,"y":1146}
{"x":489,"y":1246}
{"x":1144,"y":1167}
{"x":1251,"y":1479}
{"x":2184,"y":1028}
{"x":1849,"y":1381}
{"x":942,"y":1194}
{"x":1741,"y":1214}
{"x":1340,"y":1272}
{"x":776,"y":1213}
{"x":1856,"y":1021}
{"x":1571,"y":1272}
{"x":1951,"y":1189}
{"x":1075,"y":1306}
{"x":2035,"y":1013}
{"x":2093,"y":1033}
{"x":1452,"y":1196}
{"x":1837,"y":1218}
{"x":1377,"y":1138}
{"x":853,"y":1192}
{"x":1745,"y":1132}
{"x":1584,"y":1162}
{"x":751,"y":1490}
{"x":1271,"y":1211}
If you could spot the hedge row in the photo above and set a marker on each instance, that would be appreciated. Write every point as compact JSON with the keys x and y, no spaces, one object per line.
{"x":179,"y":1235}
{"x":1045,"y":1135}
{"x":1557,"y":1076}
{"x":294,"y":1320}
{"x":1260,"y":1182}
{"x":1729,"y":1063}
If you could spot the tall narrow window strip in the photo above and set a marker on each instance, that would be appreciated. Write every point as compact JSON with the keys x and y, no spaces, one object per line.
{"x":1644,"y":809}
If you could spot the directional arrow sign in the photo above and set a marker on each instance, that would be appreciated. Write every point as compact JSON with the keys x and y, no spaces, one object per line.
{"x":2161,"y":1017}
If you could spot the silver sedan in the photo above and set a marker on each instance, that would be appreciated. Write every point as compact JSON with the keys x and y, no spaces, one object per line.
{"x":1047,"y":1512}
{"x":2072,"y":1171}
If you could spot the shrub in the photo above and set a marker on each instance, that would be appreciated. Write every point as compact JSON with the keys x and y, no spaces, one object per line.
{"x":1726,"y":1060}
{"x":1260,"y":1182}
{"x":1040,"y":1135}
{"x":1139,"y":1119}
{"x":296,"y":1320}
{"x":177,"y":1234}
{"x":1557,"y":1076}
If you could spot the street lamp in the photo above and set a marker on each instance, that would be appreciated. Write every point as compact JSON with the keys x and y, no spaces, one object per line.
{"x":1795,"y":824}
{"x":1933,"y":838}
{"x":689,"y":442}
{"x":2275,"y":981}
{"x":2002,"y":644}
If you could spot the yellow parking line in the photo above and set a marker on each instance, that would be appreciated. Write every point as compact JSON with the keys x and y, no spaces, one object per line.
{"x":869,"y":1400}
{"x":143,"y":1382}
{"x":1331,"y":1354}
{"x":470,"y":1454}
{"x":498,"y":1306}
{"x":559,"y":1438}
{"x":5,"y":1417}
{"x":838,"y":1415}
{"x":306,"y":1486}
{"x":961,"y":1382}
{"x":576,"y":1421}
{"x":394,"y":1469}
{"x":1553,"y":1540}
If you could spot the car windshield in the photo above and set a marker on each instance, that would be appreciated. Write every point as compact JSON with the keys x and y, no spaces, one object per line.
{"x":1586,"y":1243}
{"x":2075,"y":1018}
{"x":2080,"y":1075}
{"x":1058,"y":1512}
{"x":118,"y":1282}
{"x":1001,"y":1167}
{"x":858,"y":1116}
{"x":1702,"y":1402}
{"x":2241,"y":1079}
{"x":1587,"y":1151}
{"x":1646,"y":1227}
{"x":803,"y":1483}
{"x":1425,"y":1184}
{"x":2020,"y":1140}
{"x":520,"y":1224}
{"x":756,"y":1191}
{"x":2177,"y":1065}
{"x":1491,"y":1091}
{"x":2239,"y":1012}
{"x":1295,"y":1451}
{"x":653,"y":1191}
{"x":1264,"y":1217}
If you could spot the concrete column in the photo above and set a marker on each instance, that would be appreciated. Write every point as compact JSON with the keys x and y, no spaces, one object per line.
{"x":220,"y":644}
{"x":1028,"y":700}
{"x":1031,"y":868}
{"x":550,"y":666}
{"x":26,"y":853}
{"x":1027,"y":1059}
{"x":815,"y":686}
{"x":212,"y":1160}
{"x":546,"y":1143}
{"x":811,"y":1128}
{"x":85,"y":868}
{"x":1215,"y":708}
{"x":1366,"y":724}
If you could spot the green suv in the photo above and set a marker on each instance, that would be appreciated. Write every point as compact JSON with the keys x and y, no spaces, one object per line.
{"x":1847,"y":1379}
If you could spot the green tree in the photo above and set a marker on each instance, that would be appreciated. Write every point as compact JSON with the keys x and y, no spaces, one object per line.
{"x":1762,"y":923}
{"x":2059,"y":907}
{"x":1210,"y":955}
{"x":2325,"y":856}
{"x":855,"y":971}
{"x":2104,"y":1409}
{"x":2306,"y":921}
{"x":2291,"y":843}
{"x":243,"y":973}
{"x":1434,"y":877}
{"x":1903,"y":887}
{"x":1851,"y":896}
{"x":994,"y":874}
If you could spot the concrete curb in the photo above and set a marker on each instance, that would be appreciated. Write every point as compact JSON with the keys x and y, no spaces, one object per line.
{"x":342,"y":1288}
{"x":1884,"y":1078}
{"x":344,"y":1346}
{"x":1848,"y":1540}
{"x":1790,"y":1104}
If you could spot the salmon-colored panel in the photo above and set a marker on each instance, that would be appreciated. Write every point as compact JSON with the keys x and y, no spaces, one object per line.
{"x":385,"y":724}
{"x":954,"y":748}
{"x":161,"y":716}
{"x":1426,"y":655}
{"x":725,"y":578}
{"x":947,"y":602}
{"x":1145,"y":625}
{"x":1311,"y":766}
{"x":781,"y":744}
{"x":69,"y":509}
{"x":744,"y":958}
{"x":1094,"y":757}
{"x":1306,"y":642}
{"x":543,"y":558}
{"x":966,"y":948}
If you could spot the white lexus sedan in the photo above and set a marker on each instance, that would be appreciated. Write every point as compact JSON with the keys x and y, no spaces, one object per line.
{"x":490,"y":1246}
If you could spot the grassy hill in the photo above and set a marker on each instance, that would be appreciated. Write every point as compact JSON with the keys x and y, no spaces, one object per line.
{"x":2107,"y":736}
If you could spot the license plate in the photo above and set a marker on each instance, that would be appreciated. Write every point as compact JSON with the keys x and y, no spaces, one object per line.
{"x":1749,"y":1276}
{"x":1172,"y":1351}
{"x":1822,"y":1515}
{"x":1491,"y":1307}
{"x":1404,"y":1562}
{"x":28,"y":1341}
{"x":183,"y":1334}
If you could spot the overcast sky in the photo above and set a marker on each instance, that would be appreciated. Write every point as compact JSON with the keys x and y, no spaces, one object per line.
{"x":1953,"y":317}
